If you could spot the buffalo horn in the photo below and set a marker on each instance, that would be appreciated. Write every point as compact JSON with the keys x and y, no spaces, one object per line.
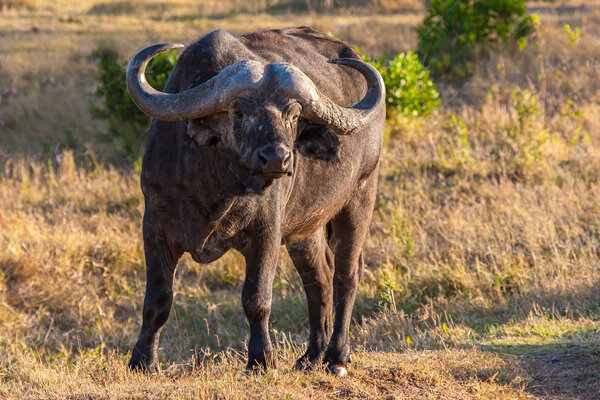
{"x":346,"y":120}
{"x":216,"y":94}
{"x":211,"y":96}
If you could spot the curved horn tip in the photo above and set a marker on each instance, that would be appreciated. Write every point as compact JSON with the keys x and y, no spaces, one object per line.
{"x":153,"y":50}
{"x":174,"y":45}
{"x":159,"y":48}
{"x":144,"y":55}
{"x":354,"y":62}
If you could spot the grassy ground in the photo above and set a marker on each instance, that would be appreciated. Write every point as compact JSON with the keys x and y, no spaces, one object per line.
{"x":482,"y":278}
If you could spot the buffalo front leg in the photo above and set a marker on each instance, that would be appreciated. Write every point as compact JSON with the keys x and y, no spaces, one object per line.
{"x":161,"y":260}
{"x":261,"y":264}
{"x":350,"y":228}
{"x":313,"y":259}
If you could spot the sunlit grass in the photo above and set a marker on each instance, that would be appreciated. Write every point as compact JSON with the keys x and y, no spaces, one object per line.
{"x":481,"y":263}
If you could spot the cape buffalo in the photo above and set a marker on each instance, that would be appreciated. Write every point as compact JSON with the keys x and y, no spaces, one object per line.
{"x":260,"y":141}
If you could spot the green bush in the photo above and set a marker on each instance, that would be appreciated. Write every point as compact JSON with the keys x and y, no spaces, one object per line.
{"x":456,"y":34}
{"x":409,"y":90}
{"x":127,"y":125}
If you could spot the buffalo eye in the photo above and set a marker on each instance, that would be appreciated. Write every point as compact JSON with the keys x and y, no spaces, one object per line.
{"x":238,"y":114}
{"x":241,"y":107}
{"x":292,"y":113}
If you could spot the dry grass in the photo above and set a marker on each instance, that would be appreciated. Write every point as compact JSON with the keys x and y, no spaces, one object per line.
{"x":483,"y":259}
{"x":463,"y":374}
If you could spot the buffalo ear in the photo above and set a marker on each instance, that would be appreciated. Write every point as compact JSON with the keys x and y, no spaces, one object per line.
{"x":201,"y":133}
{"x":319,"y":142}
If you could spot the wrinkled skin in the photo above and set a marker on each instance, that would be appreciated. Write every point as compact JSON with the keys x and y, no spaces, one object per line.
{"x":208,"y":190}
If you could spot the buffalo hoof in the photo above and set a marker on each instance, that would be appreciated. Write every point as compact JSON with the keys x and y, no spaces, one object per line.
{"x":142,"y":366}
{"x":304,"y":365}
{"x":139,"y":362}
{"x":307,"y":363}
{"x":262,"y":363}
{"x":259,"y":371}
{"x":337,"y":370}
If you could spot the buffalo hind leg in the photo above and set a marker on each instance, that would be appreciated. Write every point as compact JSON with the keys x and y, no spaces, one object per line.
{"x":313,"y":260}
{"x":160,"y":267}
{"x":350,"y":228}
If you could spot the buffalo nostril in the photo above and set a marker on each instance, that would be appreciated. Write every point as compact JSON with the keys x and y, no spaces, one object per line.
{"x":274,"y":159}
{"x":286,"y":159}
{"x":263,"y":158}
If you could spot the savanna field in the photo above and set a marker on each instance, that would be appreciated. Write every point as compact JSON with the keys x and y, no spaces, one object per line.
{"x":483,"y":260}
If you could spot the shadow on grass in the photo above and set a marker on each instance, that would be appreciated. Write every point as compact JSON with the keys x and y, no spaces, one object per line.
{"x":566,"y":369}
{"x":560,"y":360}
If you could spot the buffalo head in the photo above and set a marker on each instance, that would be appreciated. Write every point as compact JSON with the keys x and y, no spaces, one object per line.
{"x":254,"y":109}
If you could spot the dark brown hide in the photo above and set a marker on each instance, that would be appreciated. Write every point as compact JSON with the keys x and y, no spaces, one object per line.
{"x":227,"y":181}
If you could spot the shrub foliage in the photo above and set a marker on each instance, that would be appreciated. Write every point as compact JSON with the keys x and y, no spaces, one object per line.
{"x":455,"y":34}
{"x":409,"y":90}
{"x":126,"y":123}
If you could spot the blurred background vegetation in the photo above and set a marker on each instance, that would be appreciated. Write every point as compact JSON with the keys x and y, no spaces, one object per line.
{"x":482,"y":278}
